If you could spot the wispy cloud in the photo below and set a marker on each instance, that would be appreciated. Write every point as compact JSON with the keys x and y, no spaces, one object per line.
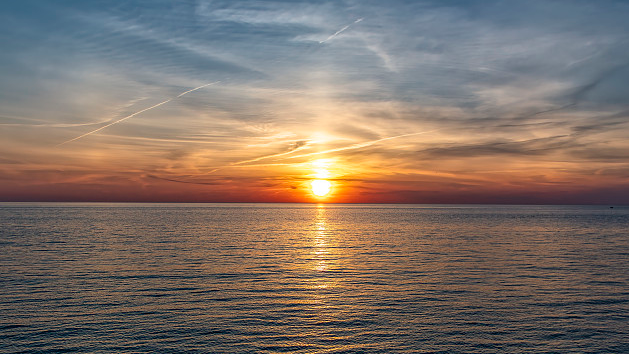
{"x":359,"y":145}
{"x":286,"y":154}
{"x":40,"y":123}
{"x":135,"y":114}
{"x":298,"y":146}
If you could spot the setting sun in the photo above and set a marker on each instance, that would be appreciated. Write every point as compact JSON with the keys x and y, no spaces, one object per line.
{"x":320,"y":187}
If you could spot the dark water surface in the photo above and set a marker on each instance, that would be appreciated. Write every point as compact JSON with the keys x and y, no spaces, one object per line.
{"x":255,"y":278}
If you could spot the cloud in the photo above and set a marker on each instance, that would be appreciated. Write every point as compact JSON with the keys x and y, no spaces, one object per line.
{"x":532,"y":147}
{"x":535,"y":90}
{"x":296,"y":146}
{"x":207,"y":183}
{"x":357,"y":146}
{"x":135,"y":114}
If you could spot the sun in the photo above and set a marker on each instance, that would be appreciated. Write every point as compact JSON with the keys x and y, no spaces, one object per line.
{"x":320,"y":187}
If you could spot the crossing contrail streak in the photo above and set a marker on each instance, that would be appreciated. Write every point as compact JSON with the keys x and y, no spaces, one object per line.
{"x":270,"y":156}
{"x":340,"y":31}
{"x":135,"y":114}
{"x":359,"y":145}
{"x":350,"y":147}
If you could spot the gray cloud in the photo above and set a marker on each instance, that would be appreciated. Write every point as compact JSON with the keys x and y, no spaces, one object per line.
{"x":533,"y":147}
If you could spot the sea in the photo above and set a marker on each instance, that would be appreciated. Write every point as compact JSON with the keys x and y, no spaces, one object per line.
{"x":313,"y":278}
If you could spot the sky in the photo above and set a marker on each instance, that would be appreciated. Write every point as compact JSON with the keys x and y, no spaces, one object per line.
{"x":501,"y":102}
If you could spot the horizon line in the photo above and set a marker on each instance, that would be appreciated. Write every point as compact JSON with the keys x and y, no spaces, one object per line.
{"x":315,"y":203}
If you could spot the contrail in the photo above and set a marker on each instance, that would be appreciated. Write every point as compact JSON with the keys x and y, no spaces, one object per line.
{"x":196,"y":88}
{"x":270,"y":156}
{"x":340,"y":31}
{"x":359,"y":145}
{"x":135,"y":114}
{"x":350,"y":147}
{"x":301,"y":147}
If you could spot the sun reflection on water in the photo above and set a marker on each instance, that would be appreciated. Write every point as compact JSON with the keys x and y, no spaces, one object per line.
{"x":320,"y":241}
{"x":322,"y":254}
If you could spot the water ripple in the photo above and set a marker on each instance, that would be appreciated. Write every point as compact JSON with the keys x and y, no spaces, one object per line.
{"x":104,"y":278}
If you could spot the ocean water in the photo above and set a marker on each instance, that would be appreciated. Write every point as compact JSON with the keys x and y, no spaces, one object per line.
{"x":276,"y":278}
